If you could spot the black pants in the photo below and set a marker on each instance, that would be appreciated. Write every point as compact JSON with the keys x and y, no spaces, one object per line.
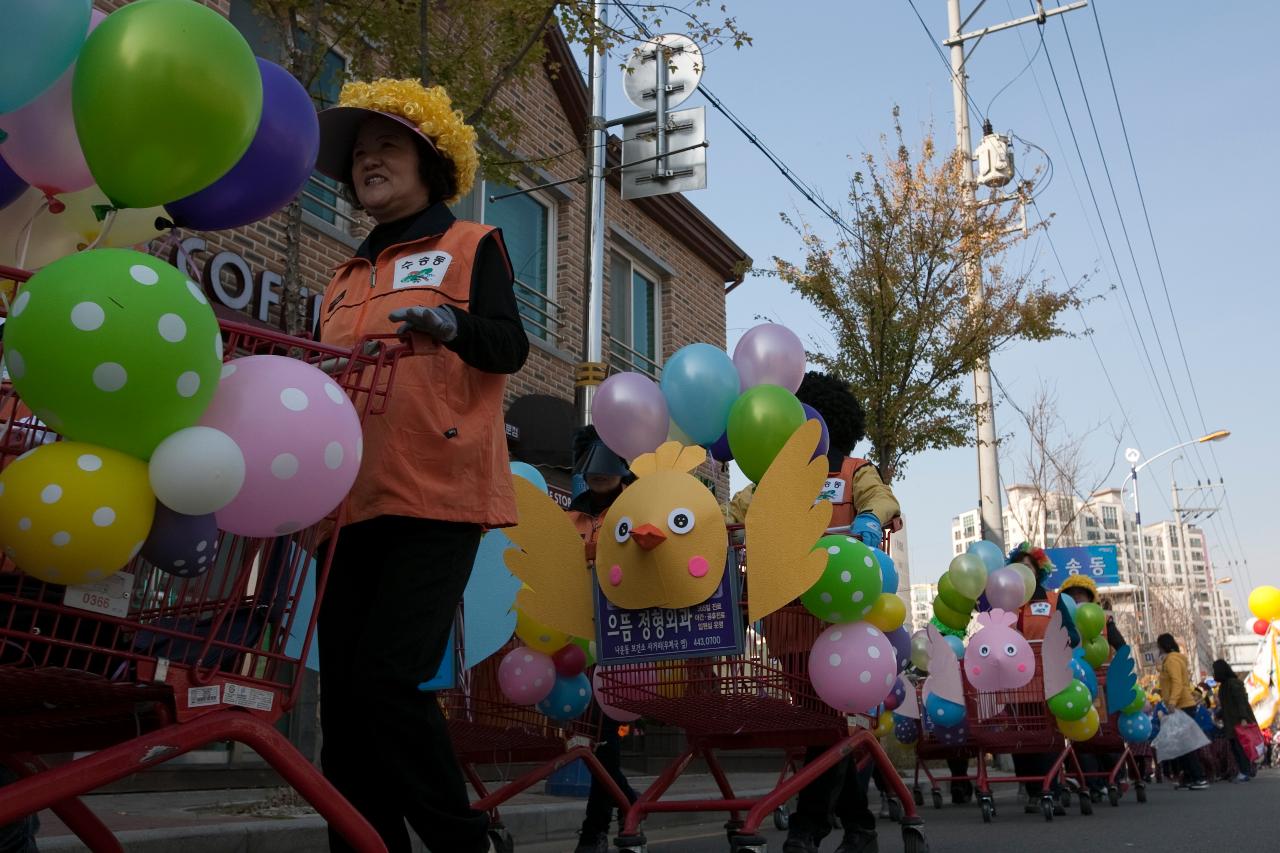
{"x":20,"y":836}
{"x":600,"y":805}
{"x":842,"y":790}
{"x":960,"y":787}
{"x":1242,"y":760}
{"x":1034,"y":764}
{"x":393,"y":591}
{"x":1189,"y":765}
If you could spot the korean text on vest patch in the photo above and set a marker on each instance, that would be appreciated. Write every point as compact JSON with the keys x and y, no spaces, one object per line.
{"x":425,"y":270}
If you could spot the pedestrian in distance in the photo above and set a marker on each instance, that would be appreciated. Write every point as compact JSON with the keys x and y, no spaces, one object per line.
{"x":1234,"y":707}
{"x":1175,"y":690}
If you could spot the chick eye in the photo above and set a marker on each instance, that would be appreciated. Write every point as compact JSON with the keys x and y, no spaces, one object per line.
{"x":1010,"y":650}
{"x":622,"y":532}
{"x":680,"y":520}
{"x":984,"y":650}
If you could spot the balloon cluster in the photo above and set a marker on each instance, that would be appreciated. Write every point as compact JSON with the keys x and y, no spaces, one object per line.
{"x":122,"y":355}
{"x":158,"y":109}
{"x":741,"y":408}
{"x":854,"y":664}
{"x":1090,"y":621}
{"x":549,"y":671}
{"x":1264,"y":603}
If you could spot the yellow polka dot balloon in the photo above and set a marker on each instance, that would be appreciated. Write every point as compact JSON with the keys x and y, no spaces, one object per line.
{"x":73,"y":513}
{"x":538,"y":636}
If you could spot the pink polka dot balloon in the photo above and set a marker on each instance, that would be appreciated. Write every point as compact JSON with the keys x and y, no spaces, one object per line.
{"x":301,"y":441}
{"x":526,"y":676}
{"x":852,"y":666}
{"x":598,"y":686}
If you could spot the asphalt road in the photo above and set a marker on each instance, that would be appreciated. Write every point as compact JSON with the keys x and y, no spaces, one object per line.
{"x":1224,"y":817}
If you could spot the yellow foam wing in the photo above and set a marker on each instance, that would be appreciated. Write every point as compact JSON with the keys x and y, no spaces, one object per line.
{"x":550,"y":559}
{"x":783,"y":524}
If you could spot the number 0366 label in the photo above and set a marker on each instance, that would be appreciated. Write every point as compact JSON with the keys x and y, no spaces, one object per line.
{"x":110,"y":596}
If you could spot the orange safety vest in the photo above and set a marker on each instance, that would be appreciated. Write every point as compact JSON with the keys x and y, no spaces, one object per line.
{"x":1033,"y":618}
{"x":839,"y":490}
{"x":439,"y":450}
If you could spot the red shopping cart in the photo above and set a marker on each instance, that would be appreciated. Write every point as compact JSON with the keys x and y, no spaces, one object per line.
{"x":1109,"y":757}
{"x":487,"y":729}
{"x":152,"y":666}
{"x":761,"y":698}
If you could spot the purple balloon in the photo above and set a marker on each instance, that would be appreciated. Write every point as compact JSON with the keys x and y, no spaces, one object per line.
{"x":630,"y":414}
{"x":720,"y":451}
{"x":1005,"y":589}
{"x":273,"y":170}
{"x":824,"y":443}
{"x":770,"y":354}
{"x":183,"y":545}
{"x":11,"y":186}
{"x":901,"y":641}
{"x":896,"y":696}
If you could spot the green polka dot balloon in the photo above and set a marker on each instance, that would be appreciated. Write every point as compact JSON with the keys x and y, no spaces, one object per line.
{"x":1072,"y":703}
{"x":113,"y":347}
{"x":849,"y":586}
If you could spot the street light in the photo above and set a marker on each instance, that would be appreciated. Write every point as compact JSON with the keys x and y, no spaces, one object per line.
{"x":1132,"y":455}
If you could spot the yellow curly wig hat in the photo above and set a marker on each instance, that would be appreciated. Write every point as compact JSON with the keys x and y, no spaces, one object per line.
{"x":427,"y":110}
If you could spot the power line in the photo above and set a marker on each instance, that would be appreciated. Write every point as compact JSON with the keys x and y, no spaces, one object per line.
{"x":946,"y":62}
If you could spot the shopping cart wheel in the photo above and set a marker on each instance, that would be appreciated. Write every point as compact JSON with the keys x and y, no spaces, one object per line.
{"x":1046,"y":807}
{"x":631,"y":844}
{"x":1141,"y":793}
{"x":913,"y":840}
{"x":937,"y":798}
{"x":1113,"y":795}
{"x":781,"y":818}
{"x":988,"y":810}
{"x":917,"y":795}
{"x":895,"y":810}
{"x":748,"y":844}
{"x":1086,"y":806}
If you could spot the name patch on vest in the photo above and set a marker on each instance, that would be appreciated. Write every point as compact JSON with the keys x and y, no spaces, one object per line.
{"x":1041,"y":608}
{"x":833,"y":490}
{"x":425,"y":270}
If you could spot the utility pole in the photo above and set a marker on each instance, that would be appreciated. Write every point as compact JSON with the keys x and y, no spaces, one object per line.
{"x":988,"y":461}
{"x":592,"y":370}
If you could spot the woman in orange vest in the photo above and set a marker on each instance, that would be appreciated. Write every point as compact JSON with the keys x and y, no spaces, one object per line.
{"x":606,"y":475}
{"x":434,"y":472}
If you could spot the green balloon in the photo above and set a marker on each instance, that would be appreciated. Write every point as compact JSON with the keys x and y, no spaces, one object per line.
{"x":1139,"y":702}
{"x":953,"y":599}
{"x":1096,"y":651}
{"x":920,"y":650}
{"x":968,"y":575}
{"x":850,"y":584}
{"x":760,"y":422}
{"x":949,"y":616}
{"x":1090,"y":619}
{"x":114,"y":347}
{"x":1072,"y":703}
{"x":166,"y":98}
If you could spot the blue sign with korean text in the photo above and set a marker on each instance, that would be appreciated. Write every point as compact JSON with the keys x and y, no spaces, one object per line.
{"x":709,"y":629}
{"x":1096,"y":561}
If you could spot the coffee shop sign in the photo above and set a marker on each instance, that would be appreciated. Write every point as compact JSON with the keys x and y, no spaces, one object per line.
{"x":253,"y":295}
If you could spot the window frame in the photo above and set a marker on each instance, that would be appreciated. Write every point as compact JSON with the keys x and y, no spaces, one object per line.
{"x":629,"y":358}
{"x":479,"y":203}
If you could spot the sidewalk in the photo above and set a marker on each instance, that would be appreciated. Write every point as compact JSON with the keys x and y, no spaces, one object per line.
{"x":273,"y":821}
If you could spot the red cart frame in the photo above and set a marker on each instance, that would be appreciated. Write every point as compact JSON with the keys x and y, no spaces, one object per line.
{"x":189,"y":661}
{"x":1107,"y":742}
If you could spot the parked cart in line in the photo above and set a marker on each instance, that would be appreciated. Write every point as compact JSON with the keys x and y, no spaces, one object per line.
{"x":1109,"y":748}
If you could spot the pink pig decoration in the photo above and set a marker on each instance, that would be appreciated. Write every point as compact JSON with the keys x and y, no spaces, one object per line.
{"x":998,"y":657}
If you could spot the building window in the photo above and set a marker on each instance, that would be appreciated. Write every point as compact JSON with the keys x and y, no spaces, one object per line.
{"x":633,"y":322}
{"x":959,"y":550}
{"x":1092,"y":536}
{"x":320,"y":197}
{"x":956,"y":535}
{"x":969,"y":531}
{"x":528,"y":228}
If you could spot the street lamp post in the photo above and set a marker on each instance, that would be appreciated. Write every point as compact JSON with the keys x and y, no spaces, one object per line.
{"x":1132,"y":455}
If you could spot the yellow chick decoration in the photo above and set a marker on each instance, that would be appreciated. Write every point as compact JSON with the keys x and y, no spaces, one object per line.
{"x":663,"y":542}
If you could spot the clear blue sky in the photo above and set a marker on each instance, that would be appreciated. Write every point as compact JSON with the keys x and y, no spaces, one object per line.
{"x":1195,"y":82}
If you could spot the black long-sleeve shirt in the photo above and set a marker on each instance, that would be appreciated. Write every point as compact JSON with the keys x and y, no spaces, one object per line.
{"x":491,"y":335}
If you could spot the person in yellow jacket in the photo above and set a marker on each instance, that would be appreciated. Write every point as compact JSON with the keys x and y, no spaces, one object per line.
{"x":1175,"y":687}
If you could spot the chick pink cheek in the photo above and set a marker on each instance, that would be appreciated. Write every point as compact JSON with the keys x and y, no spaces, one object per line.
{"x":615,"y":575}
{"x":698,"y":567}
{"x":977,"y":670}
{"x":1022,"y":667}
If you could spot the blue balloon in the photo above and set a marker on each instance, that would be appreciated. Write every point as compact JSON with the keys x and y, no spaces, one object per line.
{"x":957,"y":735}
{"x":1085,"y":674}
{"x":1069,"y":603}
{"x":888,"y":572}
{"x":528,"y":472}
{"x":41,"y":40}
{"x":956,"y":644}
{"x":11,"y":186}
{"x":943,"y":712}
{"x":700,"y":384}
{"x":990,"y":554}
{"x":568,"y":698}
{"x":1135,"y":727}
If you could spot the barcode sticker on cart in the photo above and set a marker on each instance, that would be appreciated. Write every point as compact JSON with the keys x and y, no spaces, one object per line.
{"x":248,"y":697}
{"x":203,"y":697}
{"x":109,"y":596}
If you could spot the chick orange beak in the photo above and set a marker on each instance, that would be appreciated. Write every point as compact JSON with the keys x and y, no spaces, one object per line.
{"x":648,"y":537}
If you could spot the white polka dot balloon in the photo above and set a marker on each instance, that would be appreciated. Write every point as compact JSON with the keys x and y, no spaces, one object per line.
{"x":852,"y":666}
{"x":73,"y":513}
{"x":113,"y":348}
{"x":197,"y":470}
{"x":300,"y":438}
